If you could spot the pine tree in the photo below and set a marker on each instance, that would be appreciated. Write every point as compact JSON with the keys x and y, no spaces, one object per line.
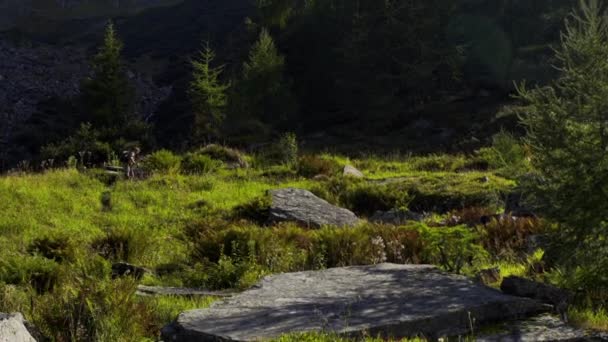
{"x":108,"y":97}
{"x":266,"y":91}
{"x":208,"y":96}
{"x":567,"y":124}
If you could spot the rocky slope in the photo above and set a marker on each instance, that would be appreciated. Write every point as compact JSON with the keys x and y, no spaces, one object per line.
{"x":12,"y":12}
{"x":31,"y":75}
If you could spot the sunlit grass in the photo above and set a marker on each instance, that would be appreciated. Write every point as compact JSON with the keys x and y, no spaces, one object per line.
{"x":167,"y":308}
{"x":589,"y":318}
{"x":155,"y":213}
{"x":327,"y":337}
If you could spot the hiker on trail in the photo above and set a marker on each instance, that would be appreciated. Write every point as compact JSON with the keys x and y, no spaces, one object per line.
{"x":132,"y":162}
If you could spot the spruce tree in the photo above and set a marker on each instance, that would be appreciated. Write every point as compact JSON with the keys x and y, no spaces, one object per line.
{"x":567,"y":124}
{"x":108,"y":96}
{"x":208,"y":96}
{"x":267,"y":93}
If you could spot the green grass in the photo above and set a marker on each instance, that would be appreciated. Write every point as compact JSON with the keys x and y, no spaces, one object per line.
{"x":57,"y":241}
{"x":167,"y":308}
{"x":589,"y":318}
{"x":326,"y":337}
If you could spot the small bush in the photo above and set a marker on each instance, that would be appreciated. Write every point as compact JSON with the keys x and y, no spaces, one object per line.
{"x":280,"y":173}
{"x":36,"y":271}
{"x":440,"y":162}
{"x":474,"y":163}
{"x":257,"y":211}
{"x":86,"y":145}
{"x":288,"y":148}
{"x":506,"y":235}
{"x":91,"y":307}
{"x":162,"y":161}
{"x":237,"y":256}
{"x":507,"y":155}
{"x":362,"y":197}
{"x":55,"y":247}
{"x":225,"y":255}
{"x":103,"y":176}
{"x":310,"y":166}
{"x":121,"y":244}
{"x":452,"y":248}
{"x":471,"y":216}
{"x":366,"y":199}
{"x":225,"y":154}
{"x":198,"y":164}
{"x":442,"y":194}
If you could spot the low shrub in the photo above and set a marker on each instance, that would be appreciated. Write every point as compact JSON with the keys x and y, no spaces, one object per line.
{"x":236,"y":256}
{"x":103,"y":176}
{"x":362,"y":197}
{"x":367,"y":244}
{"x":505,"y":235}
{"x":121,"y":244}
{"x":443,"y":193}
{"x":86,"y":145}
{"x":440,"y":162}
{"x":55,"y":247}
{"x":224,"y":255}
{"x":198,"y":164}
{"x":452,"y":248}
{"x":507,"y":154}
{"x":474,"y":163}
{"x":310,"y":166}
{"x":471,"y":216}
{"x":280,"y":173}
{"x":89,"y":306}
{"x":288,"y":148}
{"x":344,"y":247}
{"x":257,"y":210}
{"x":38,"y":272}
{"x":225,"y":154}
{"x":365,"y":199}
{"x":162,"y":161}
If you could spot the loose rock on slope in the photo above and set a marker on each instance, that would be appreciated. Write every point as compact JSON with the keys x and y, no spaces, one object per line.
{"x":303,"y":207}
{"x":387,"y":299}
{"x":351,"y":171}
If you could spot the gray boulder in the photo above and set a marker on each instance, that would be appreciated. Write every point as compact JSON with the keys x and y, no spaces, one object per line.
{"x":545,"y":293}
{"x":351,"y":171}
{"x":13,"y":329}
{"x":385,"y":299}
{"x":303,"y":207}
{"x":396,"y":217}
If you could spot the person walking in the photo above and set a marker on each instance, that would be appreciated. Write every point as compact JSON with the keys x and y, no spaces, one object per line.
{"x":132,"y":157}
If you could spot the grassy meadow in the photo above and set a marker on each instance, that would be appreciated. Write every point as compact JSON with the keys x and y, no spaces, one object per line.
{"x":196,"y":222}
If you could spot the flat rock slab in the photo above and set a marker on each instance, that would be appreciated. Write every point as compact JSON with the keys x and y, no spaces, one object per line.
{"x":303,"y":207}
{"x":387,"y":299}
{"x":541,"y":328}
